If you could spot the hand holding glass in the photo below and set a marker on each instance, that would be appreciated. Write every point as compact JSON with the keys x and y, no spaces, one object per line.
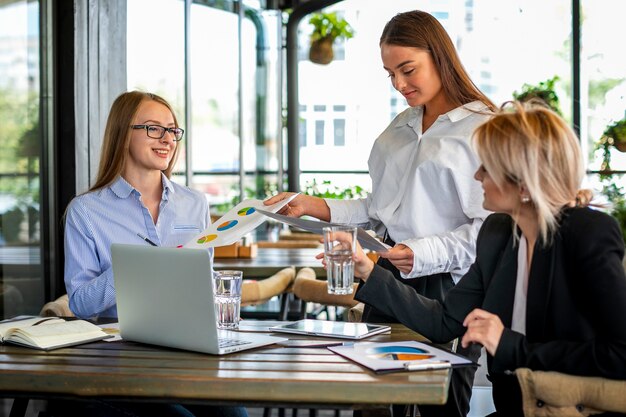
{"x":339,"y":246}
{"x":227,"y":295}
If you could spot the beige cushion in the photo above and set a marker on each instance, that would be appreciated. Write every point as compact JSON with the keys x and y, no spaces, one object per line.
{"x":258,"y":292}
{"x":57,"y":308}
{"x":557,"y":394}
{"x":355,"y":314}
{"x":309,"y":289}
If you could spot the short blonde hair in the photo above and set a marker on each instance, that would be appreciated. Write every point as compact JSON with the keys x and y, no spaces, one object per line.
{"x":530,"y":145}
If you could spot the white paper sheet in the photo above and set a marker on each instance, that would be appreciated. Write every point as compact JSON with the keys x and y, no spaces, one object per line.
{"x":316,"y":226}
{"x":232,"y":226}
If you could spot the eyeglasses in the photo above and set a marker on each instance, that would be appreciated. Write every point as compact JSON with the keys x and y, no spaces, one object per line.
{"x":157,"y":132}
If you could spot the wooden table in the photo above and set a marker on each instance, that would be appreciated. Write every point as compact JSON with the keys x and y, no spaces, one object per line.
{"x":271,"y":260}
{"x":268,"y":376}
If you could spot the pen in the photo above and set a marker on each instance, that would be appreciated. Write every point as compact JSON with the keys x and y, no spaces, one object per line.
{"x":426,"y":366}
{"x":146,"y":239}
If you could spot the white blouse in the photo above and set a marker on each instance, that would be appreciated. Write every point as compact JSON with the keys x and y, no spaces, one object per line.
{"x":518,"y":322}
{"x":423,"y":190}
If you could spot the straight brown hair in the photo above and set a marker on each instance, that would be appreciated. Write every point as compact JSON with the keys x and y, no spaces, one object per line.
{"x":116,"y":141}
{"x":418,"y":29}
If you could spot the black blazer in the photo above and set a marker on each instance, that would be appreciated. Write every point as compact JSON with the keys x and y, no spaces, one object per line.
{"x":576,"y":301}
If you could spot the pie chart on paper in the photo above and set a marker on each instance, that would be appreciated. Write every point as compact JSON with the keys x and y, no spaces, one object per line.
{"x":227,"y":225}
{"x":246,"y":211}
{"x":398,"y":353}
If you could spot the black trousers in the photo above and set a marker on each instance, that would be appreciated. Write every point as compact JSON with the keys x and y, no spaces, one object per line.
{"x":460,"y":391}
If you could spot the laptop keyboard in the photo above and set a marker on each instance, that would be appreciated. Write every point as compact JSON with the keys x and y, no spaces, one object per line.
{"x":224,"y":343}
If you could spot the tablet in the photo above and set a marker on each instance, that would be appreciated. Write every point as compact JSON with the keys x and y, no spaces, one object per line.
{"x":340,"y":329}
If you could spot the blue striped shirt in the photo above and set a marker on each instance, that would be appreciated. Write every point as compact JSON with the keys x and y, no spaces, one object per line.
{"x":115,"y":214}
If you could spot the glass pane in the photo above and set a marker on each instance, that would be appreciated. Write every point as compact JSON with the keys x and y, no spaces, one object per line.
{"x":156,"y":56}
{"x":603,"y":84}
{"x":215,"y":91}
{"x":482,"y":31}
{"x":21,"y":280}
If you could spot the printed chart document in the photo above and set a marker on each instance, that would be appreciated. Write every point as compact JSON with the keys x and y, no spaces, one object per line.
{"x":49,"y":333}
{"x":316,"y":226}
{"x":400,"y":356}
{"x":232,"y":226}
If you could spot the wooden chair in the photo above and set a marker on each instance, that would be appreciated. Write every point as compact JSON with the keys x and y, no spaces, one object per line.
{"x":310,"y":290}
{"x":255,"y":292}
{"x":556,"y":394}
{"x":289,"y":244}
{"x":57,"y":308}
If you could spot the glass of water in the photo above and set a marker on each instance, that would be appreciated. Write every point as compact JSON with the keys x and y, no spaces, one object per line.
{"x":339,"y":246}
{"x":227,"y":295}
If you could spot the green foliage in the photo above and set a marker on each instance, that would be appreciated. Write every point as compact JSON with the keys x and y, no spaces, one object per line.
{"x":10,"y":224}
{"x":615,"y":196}
{"x":599,"y":88}
{"x":269,"y":189}
{"x":616,"y":131}
{"x":543,"y":91}
{"x":329,"y":25}
{"x":327,"y":190}
{"x":614,"y":135}
{"x":619,"y":212}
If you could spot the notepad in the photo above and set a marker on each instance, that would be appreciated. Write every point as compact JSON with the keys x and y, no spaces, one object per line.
{"x":49,"y":333}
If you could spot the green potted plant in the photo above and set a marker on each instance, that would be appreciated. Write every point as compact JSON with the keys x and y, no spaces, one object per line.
{"x":326,"y":28}
{"x":615,"y":134}
{"x":543,"y":91}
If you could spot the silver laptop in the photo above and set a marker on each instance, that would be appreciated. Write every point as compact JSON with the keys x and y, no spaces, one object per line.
{"x":165,"y":297}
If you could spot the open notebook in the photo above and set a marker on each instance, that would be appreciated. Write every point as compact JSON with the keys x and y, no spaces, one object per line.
{"x":165,"y":297}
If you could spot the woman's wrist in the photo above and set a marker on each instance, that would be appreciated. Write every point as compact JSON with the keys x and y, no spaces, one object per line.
{"x":318,"y":208}
{"x":366,"y":270}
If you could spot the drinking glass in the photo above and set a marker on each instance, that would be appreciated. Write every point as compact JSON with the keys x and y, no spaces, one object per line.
{"x":339,"y":246}
{"x":227,"y":295}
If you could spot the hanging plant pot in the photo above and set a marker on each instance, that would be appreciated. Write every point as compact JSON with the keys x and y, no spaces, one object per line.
{"x":620,"y":146}
{"x":321,"y":51}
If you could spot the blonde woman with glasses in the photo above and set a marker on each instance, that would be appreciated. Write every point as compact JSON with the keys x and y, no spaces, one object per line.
{"x":547,"y":290}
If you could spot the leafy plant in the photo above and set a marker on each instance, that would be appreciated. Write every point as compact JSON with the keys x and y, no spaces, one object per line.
{"x":615,"y":195}
{"x":269,"y":189}
{"x":329,"y":25}
{"x":327,"y":190}
{"x":543,"y":91}
{"x":326,"y":28}
{"x":614,"y":135}
{"x":616,"y":132}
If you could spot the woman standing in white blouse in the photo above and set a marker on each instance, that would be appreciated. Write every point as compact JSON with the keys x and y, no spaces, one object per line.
{"x":423,"y":194}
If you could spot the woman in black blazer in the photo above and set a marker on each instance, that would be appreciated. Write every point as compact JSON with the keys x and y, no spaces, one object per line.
{"x":547,"y":290}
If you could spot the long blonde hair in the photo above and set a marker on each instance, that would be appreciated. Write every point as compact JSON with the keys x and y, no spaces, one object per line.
{"x":530,"y":145}
{"x":116,"y":141}
{"x":418,"y":29}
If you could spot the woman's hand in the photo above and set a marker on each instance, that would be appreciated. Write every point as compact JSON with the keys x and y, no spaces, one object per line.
{"x":484,"y":328}
{"x":301,"y":205}
{"x":363,"y":265}
{"x":401,"y":256}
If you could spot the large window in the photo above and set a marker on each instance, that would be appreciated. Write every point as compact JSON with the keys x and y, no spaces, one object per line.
{"x":499,"y":43}
{"x":603,"y":83}
{"x":21,"y":280}
{"x":234,"y":120}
